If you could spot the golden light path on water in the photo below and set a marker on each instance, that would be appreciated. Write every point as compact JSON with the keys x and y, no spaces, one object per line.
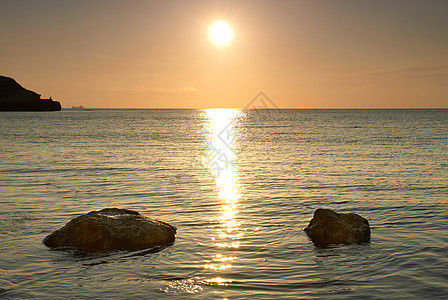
{"x":221,"y":130}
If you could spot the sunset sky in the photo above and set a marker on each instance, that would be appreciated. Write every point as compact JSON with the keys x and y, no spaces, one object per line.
{"x":158,"y":54}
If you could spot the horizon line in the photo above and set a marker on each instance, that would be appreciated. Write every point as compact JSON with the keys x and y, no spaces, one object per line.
{"x":287,"y":108}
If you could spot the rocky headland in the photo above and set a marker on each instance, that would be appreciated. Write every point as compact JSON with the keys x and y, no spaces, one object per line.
{"x":13,"y":97}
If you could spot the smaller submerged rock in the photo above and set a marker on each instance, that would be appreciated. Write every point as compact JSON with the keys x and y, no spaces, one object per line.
{"x":112,"y":229}
{"x":329,"y":227}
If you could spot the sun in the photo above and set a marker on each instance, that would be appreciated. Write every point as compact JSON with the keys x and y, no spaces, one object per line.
{"x":221,"y":33}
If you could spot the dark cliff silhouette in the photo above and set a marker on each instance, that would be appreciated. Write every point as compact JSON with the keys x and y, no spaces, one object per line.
{"x":13,"y":97}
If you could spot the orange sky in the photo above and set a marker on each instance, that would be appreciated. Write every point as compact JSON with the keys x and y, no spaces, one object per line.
{"x":157,"y":54}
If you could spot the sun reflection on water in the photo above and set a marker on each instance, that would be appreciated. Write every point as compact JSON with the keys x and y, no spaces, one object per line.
{"x":221,"y":130}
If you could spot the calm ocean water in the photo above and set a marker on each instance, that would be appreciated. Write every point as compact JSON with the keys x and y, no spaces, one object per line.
{"x":240,"y":186}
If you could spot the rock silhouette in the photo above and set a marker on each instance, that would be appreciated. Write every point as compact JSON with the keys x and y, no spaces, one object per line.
{"x":328,"y":227}
{"x":13,"y":97}
{"x":112,"y":229}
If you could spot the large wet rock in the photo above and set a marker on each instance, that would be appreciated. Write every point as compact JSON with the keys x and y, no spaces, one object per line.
{"x":328,"y":227}
{"x":13,"y":97}
{"x":112,"y":229}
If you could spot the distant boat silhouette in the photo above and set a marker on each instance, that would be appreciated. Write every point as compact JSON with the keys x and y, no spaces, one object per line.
{"x":78,"y":107}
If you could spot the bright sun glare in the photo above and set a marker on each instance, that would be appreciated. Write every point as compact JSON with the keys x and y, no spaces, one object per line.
{"x":221,"y":33}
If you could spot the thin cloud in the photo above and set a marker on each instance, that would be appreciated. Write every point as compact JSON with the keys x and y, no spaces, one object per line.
{"x":181,"y":89}
{"x":425,"y":71}
{"x":430,"y":75}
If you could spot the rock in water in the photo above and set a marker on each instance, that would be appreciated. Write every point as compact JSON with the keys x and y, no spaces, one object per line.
{"x":13,"y":97}
{"x":112,"y":229}
{"x":329,"y":227}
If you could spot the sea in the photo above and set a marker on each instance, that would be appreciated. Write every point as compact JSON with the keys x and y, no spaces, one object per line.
{"x":240,"y":185}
